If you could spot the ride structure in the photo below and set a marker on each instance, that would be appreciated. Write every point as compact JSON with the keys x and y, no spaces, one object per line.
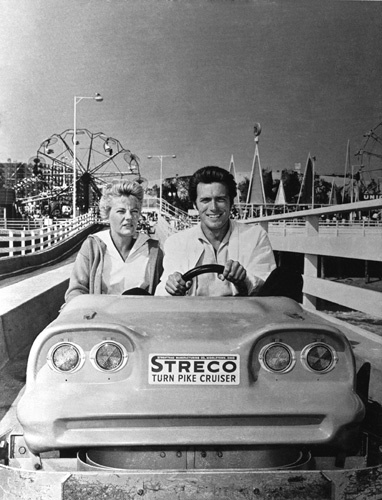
{"x":99,"y":159}
{"x":367,"y":179}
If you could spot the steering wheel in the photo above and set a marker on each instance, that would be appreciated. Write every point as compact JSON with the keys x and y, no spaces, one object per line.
{"x":206,"y":268}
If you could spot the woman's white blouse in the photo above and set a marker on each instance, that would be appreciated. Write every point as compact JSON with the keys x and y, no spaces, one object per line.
{"x":119,"y":275}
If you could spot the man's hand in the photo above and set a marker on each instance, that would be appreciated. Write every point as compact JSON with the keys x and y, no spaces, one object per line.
{"x":176,"y":285}
{"x":235,"y":273}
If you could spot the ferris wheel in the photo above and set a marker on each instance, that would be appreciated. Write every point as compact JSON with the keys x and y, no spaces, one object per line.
{"x":370,"y":157}
{"x":99,"y":160}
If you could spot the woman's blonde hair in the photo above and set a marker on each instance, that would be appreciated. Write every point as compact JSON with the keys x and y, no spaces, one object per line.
{"x":116,"y":189}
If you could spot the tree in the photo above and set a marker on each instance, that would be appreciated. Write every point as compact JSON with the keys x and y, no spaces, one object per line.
{"x":321,"y":191}
{"x":153,"y":191}
{"x":268,"y":186}
{"x":175,"y":191}
{"x":291,"y":183}
{"x":371,"y":188}
{"x":243,"y":187}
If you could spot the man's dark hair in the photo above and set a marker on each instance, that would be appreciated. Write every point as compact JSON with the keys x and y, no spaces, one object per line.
{"x":208,"y":175}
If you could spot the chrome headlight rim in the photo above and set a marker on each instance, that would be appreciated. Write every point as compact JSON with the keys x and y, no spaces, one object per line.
{"x":63,"y":343}
{"x":306,"y":351}
{"x":265,"y":349}
{"x":119,"y":346}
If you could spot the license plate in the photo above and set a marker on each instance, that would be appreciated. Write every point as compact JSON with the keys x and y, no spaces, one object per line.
{"x":194,"y":369}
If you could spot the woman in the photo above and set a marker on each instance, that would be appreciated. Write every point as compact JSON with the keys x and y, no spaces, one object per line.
{"x":120,"y":259}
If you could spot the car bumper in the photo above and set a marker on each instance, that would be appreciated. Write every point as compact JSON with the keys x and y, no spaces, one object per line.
{"x":53,"y":421}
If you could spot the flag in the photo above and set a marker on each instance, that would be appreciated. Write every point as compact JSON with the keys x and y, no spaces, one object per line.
{"x":232,"y":171}
{"x":256,"y":193}
{"x":333,"y":195}
{"x":280,"y":196}
{"x":305,"y":196}
{"x":347,"y":167}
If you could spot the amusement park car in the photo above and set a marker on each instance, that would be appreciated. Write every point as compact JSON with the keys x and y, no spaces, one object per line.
{"x":136,"y":382}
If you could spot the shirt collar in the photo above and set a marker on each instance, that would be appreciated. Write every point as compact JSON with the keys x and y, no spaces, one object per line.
{"x":202,"y":237}
{"x":140,"y":240}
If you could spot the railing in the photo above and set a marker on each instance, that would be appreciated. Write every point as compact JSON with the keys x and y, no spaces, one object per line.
{"x":175,"y":218}
{"x":163,"y":230}
{"x":14,"y":242}
{"x":249,"y":211}
{"x":307,"y":233}
{"x":328,"y":227}
{"x":22,"y":224}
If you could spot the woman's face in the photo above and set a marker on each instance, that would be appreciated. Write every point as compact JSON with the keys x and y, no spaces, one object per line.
{"x":123,"y":216}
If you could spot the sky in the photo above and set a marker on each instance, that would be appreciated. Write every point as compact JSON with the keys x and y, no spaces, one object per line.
{"x":191,"y":78}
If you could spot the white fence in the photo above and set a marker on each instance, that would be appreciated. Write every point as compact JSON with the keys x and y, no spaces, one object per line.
{"x":308,"y":234}
{"x":330,"y":228}
{"x":24,"y":241}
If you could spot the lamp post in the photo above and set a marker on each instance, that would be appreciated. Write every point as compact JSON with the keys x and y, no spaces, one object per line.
{"x":160,"y":157}
{"x":78,"y":99}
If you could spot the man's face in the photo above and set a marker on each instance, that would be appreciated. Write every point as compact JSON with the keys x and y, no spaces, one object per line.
{"x":213,"y":204}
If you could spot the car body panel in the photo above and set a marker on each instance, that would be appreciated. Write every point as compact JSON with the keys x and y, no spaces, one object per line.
{"x":130,"y":407}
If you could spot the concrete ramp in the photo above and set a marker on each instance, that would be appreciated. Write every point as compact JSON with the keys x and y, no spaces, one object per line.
{"x":27,"y":307}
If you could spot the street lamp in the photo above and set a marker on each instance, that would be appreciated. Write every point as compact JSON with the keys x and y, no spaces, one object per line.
{"x":160,"y":157}
{"x":77,"y":99}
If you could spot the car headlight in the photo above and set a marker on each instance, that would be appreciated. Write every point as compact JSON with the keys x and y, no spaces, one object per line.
{"x":109,"y":356}
{"x":319,"y":357}
{"x":277,"y":357}
{"x":65,"y":357}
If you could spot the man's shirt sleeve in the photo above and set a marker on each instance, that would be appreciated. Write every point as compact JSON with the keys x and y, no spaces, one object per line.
{"x":173,"y":260}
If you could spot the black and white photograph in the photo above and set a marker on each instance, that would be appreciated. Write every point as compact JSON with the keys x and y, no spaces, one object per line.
{"x":191,"y":249}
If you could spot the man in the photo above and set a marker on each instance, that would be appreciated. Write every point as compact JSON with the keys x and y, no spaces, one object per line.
{"x":244,"y":250}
